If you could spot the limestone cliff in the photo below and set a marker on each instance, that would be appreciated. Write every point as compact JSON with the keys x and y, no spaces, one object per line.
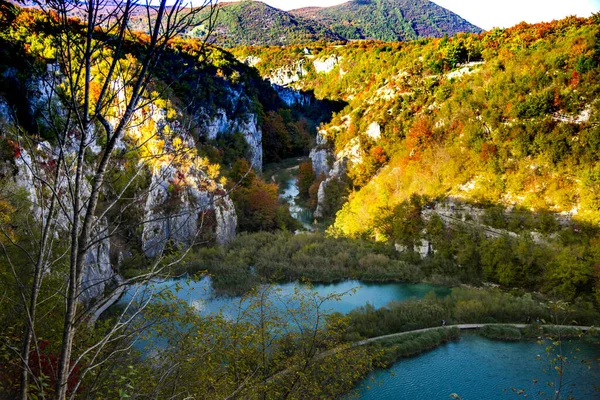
{"x":236,"y":118}
{"x":180,"y":201}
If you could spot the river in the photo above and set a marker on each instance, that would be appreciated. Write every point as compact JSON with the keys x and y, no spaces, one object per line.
{"x":473,"y":367}
{"x":289,"y":195}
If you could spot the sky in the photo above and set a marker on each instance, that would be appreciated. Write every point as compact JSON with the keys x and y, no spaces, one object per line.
{"x":486,"y":14}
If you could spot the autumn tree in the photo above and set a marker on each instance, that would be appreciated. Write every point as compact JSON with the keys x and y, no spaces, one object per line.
{"x":306,"y":177}
{"x":102,"y":78}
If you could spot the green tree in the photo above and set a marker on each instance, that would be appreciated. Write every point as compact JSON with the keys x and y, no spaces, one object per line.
{"x":402,"y":224}
{"x":273,"y":345}
{"x":571,"y":270}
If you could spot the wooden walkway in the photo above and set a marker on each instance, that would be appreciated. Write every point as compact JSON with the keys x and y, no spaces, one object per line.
{"x":462,"y":327}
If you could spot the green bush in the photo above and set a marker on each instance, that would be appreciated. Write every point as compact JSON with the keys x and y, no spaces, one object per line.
{"x":500,"y":332}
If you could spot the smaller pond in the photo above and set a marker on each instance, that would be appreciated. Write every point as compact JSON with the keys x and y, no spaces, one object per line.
{"x":476,"y":368}
{"x":201,"y":296}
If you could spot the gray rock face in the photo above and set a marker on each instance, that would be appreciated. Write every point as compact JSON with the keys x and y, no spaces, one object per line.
{"x":337,"y":172}
{"x":251,"y":61}
{"x":177,"y":214}
{"x":178,"y":198}
{"x":320,"y":161}
{"x":321,"y":137}
{"x":292,"y":97}
{"x":288,"y":74}
{"x":246,"y":124}
{"x":320,"y":157}
{"x":226,"y":219}
{"x":374,"y":131}
{"x":98,"y":273}
{"x":324,"y":66}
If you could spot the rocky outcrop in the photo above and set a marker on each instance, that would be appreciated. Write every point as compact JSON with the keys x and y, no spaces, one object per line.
{"x":324,"y":66}
{"x":374,"y":131}
{"x":321,"y":155}
{"x":220,"y":123}
{"x":423,"y":248}
{"x":177,"y":212}
{"x":320,"y":160}
{"x":288,"y":74}
{"x":181,"y":201}
{"x":338,"y":171}
{"x":226,"y":218}
{"x":352,"y":152}
{"x":99,"y":273}
{"x":251,"y":61}
{"x":466,"y":69}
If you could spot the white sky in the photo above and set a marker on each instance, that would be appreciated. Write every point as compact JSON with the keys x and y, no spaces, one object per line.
{"x":486,"y":14}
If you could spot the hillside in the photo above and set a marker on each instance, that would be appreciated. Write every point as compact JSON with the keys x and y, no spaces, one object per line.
{"x":508,"y":118}
{"x":388,"y":20}
{"x":138,"y":228}
{"x":258,"y":24}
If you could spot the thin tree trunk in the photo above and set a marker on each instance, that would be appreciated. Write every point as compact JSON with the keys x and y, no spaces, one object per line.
{"x":35,"y":289}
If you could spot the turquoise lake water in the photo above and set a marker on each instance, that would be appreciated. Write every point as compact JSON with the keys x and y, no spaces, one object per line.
{"x":476,"y":368}
{"x":200,"y":295}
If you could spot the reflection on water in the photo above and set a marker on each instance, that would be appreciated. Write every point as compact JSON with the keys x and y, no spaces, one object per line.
{"x":201,"y":296}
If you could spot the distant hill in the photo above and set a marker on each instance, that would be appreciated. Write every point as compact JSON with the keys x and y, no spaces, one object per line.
{"x":255,"y":23}
{"x":389,"y":20}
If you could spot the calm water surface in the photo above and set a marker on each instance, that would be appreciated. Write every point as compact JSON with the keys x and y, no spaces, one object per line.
{"x":480,"y":369}
{"x":200,"y":294}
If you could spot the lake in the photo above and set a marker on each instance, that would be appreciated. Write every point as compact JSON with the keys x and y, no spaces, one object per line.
{"x":201,"y":296}
{"x":476,"y":368}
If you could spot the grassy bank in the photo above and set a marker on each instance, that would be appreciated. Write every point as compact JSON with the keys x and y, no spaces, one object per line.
{"x":463,"y":306}
{"x":274,"y":257}
{"x":533,"y":331}
{"x":501,"y":332}
{"x":412,"y":344}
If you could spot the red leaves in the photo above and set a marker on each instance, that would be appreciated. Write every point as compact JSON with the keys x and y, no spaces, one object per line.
{"x":488,"y":151}
{"x":379,"y":155}
{"x":44,"y":363}
{"x":15,"y":148}
{"x":575,"y":79}
{"x":419,"y":137}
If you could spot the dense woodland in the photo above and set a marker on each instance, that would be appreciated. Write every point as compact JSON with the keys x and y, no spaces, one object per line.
{"x":508,"y":127}
{"x":388,"y":20}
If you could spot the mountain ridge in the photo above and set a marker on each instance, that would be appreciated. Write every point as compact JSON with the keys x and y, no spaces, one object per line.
{"x":255,"y":23}
{"x":389,"y":20}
